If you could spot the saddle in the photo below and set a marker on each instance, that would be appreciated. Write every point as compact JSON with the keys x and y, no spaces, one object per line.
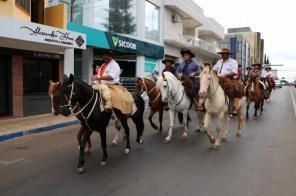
{"x":121,"y":99}
{"x":232,"y":88}
{"x":190,"y":91}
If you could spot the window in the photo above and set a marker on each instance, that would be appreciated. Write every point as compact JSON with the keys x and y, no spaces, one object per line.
{"x":151,"y":21}
{"x":24,"y":4}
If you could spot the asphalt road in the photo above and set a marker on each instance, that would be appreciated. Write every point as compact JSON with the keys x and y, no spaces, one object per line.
{"x":262,"y":162}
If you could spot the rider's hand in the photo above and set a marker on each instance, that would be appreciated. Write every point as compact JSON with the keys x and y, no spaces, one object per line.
{"x":192,"y":75}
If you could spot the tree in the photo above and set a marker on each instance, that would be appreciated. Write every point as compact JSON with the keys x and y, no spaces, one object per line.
{"x":267,"y":61}
{"x":120,"y":18}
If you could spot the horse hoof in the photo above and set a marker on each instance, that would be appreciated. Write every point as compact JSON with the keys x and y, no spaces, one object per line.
{"x":224,"y":139}
{"x":197,"y":130}
{"x":126,"y":151}
{"x":216,"y":145}
{"x":80,"y":170}
{"x":141,"y":141}
{"x":238,"y":135}
{"x":103,"y":163}
{"x":184,"y":136}
{"x":114,"y":143}
{"x":166,"y":141}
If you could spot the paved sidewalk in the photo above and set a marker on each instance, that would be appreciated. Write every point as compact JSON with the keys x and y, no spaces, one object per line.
{"x":18,"y":127}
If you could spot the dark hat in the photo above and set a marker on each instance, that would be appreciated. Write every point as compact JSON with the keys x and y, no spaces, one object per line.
{"x":207,"y":64}
{"x":257,"y":64}
{"x":186,"y":51}
{"x":248,"y":68}
{"x":109,"y":52}
{"x":224,"y":51}
{"x":168,"y":59}
{"x":267,"y":67}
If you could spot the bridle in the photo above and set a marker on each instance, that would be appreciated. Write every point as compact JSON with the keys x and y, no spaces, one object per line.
{"x":144,"y":88}
{"x":71,"y":108}
{"x":168,"y":92}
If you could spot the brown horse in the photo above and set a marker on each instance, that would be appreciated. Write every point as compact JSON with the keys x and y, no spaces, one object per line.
{"x":54,"y":93}
{"x":269,"y":87}
{"x":155,"y":103}
{"x":254,"y":93}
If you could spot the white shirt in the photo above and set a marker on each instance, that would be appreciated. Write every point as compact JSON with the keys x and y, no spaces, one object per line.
{"x":230,"y":66}
{"x":263,"y":73}
{"x":269,"y":74}
{"x":112,"y":70}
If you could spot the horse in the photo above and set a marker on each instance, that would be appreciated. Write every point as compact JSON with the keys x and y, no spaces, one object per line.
{"x":75,"y":91}
{"x":173,"y":92}
{"x":269,"y":87}
{"x":53,"y":92}
{"x":254,"y":93}
{"x":215,"y":101}
{"x":155,"y":102}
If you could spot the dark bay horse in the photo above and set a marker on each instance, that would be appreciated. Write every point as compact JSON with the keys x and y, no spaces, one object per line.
{"x":254,"y":93}
{"x":76,"y":91}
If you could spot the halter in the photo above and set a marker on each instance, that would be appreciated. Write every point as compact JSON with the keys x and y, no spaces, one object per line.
{"x":175,"y":93}
{"x":211,"y":82}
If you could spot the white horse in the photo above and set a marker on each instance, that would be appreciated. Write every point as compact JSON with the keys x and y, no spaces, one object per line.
{"x":213,"y":97}
{"x":173,"y":92}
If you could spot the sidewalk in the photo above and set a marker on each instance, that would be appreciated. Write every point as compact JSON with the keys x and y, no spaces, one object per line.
{"x":17,"y":127}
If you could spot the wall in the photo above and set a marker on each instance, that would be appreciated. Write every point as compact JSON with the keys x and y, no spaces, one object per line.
{"x":56,"y":16}
{"x":172,"y":30}
{"x":8,"y":8}
{"x":17,"y":86}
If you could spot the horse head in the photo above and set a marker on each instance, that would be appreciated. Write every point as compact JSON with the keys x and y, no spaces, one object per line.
{"x":139,"y":88}
{"x":206,"y":78}
{"x":68,"y":96}
{"x":54,"y":92}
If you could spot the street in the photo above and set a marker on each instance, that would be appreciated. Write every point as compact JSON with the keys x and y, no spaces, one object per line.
{"x":261,"y":162}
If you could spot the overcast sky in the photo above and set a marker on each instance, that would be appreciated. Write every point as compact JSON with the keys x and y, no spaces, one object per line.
{"x":274,"y":19}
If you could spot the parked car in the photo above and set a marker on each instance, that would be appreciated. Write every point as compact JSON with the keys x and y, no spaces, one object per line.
{"x":278,"y":84}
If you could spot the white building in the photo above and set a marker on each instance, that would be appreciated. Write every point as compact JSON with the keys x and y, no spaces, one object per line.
{"x":186,"y":26}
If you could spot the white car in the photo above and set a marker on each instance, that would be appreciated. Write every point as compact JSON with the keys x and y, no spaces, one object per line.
{"x":278,"y":84}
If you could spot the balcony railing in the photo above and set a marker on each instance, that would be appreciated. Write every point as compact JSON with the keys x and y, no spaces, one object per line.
{"x":195,"y":42}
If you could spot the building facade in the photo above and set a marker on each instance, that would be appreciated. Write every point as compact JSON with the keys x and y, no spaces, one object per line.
{"x":32,"y":51}
{"x":132,"y":29}
{"x":186,"y":26}
{"x":255,"y":41}
{"x":239,"y":47}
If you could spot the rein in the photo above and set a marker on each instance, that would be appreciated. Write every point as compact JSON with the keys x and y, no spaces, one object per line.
{"x":176,"y":94}
{"x":144,"y":88}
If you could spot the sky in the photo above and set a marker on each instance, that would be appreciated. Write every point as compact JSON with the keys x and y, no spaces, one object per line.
{"x":274,"y":19}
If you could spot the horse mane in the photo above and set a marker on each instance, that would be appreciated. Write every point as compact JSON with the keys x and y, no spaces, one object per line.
{"x":149,"y":80}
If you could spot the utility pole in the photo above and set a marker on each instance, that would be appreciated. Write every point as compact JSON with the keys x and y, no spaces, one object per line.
{"x":72,"y":10}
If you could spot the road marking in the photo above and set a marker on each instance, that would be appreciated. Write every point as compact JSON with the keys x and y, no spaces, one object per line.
{"x":293,"y":101}
{"x":11,"y":162}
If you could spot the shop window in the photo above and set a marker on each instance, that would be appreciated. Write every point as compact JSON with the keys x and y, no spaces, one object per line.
{"x":24,"y":4}
{"x":151,"y":21}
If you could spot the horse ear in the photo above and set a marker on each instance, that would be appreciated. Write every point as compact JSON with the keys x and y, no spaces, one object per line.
{"x":71,"y":78}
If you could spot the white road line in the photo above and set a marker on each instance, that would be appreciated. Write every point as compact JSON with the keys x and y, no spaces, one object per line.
{"x":12,"y":162}
{"x":293,"y":101}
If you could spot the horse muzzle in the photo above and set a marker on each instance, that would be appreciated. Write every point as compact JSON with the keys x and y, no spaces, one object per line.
{"x":65,"y":111}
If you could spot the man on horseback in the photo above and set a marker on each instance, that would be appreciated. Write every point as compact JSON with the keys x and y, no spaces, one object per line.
{"x":268,"y":77}
{"x":108,"y":73}
{"x":169,"y":65}
{"x":188,"y":70}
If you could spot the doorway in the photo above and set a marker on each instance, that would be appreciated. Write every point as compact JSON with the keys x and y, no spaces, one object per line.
{"x":5,"y":86}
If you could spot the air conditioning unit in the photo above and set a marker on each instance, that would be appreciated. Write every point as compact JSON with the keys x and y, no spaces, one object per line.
{"x":175,"y":18}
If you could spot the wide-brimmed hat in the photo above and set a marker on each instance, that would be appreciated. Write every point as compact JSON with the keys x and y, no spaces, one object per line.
{"x":207,"y":64}
{"x":186,"y":51}
{"x":169,"y":60}
{"x":267,"y":67}
{"x":248,"y":68}
{"x":257,"y":64}
{"x":224,"y":51}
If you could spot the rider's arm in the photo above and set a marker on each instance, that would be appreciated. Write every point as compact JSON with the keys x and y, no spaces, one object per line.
{"x":233,"y":72}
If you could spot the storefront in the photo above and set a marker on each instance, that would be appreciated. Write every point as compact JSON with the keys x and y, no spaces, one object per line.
{"x":30,"y":55}
{"x":135,"y":57}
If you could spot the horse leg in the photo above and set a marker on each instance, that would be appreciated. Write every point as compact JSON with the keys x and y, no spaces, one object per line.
{"x":79,"y":136}
{"x":206,"y":127}
{"x":172,"y":120}
{"x":247,"y":110}
{"x":123,"y":121}
{"x":104,"y":146}
{"x":152,"y":112}
{"x":256,"y":106}
{"x":241,"y":122}
{"x":139,"y":122}
{"x":200,"y":116}
{"x":185,"y":124}
{"x":160,"y":114}
{"x":85,"y":136}
{"x":261,"y":107}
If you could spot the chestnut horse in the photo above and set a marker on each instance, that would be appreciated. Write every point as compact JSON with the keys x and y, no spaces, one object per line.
{"x":254,"y":93}
{"x":155,"y":102}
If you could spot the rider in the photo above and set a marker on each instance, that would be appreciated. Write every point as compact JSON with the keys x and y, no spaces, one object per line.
{"x":269,"y":74}
{"x":169,"y":65}
{"x":226,"y":67}
{"x":108,"y":73}
{"x":188,"y":68}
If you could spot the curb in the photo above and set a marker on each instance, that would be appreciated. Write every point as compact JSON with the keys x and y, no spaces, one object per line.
{"x":45,"y":128}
